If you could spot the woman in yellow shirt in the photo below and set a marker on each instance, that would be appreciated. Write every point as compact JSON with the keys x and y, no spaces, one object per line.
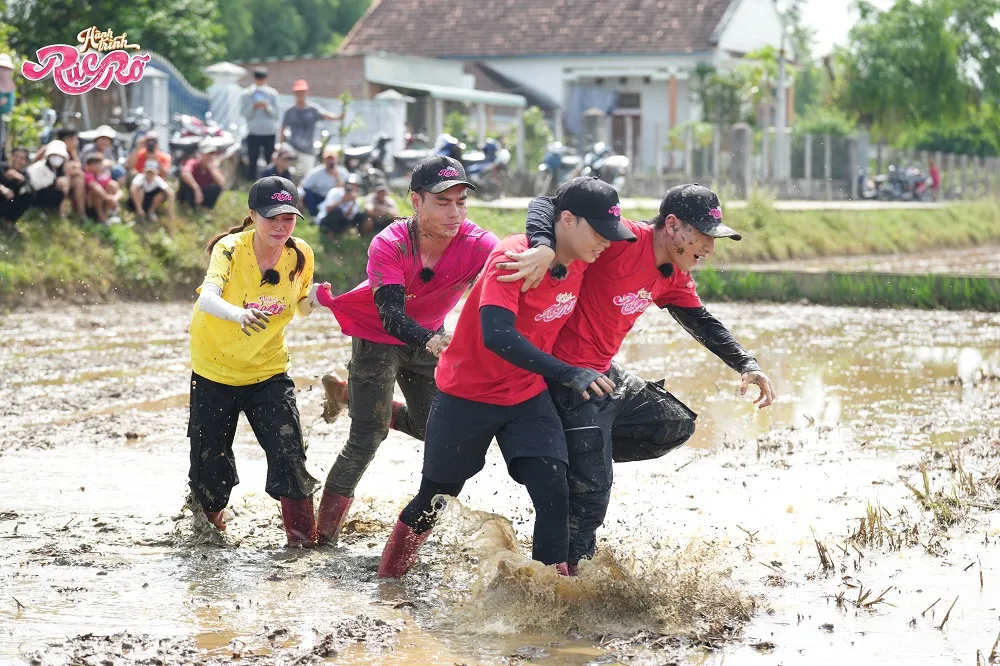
{"x":258,"y":277}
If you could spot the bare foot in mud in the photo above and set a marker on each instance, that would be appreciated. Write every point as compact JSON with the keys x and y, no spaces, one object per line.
{"x":336,"y":397}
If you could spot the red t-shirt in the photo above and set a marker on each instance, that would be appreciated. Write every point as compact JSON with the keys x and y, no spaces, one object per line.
{"x":467,"y":369}
{"x":202,"y":176}
{"x":624,"y":282}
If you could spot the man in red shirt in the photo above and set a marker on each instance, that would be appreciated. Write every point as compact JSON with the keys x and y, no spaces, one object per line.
{"x":640,"y":420}
{"x":491,"y":383}
{"x":201,"y":181}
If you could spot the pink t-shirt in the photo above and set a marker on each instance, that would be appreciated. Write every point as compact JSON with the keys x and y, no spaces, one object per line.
{"x":392,"y":260}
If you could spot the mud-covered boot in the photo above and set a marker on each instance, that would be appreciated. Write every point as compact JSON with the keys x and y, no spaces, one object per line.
{"x":299,"y":520}
{"x":215,"y":517}
{"x":333,"y":509}
{"x":396,"y":406}
{"x":335,"y":399}
{"x":400,"y":551}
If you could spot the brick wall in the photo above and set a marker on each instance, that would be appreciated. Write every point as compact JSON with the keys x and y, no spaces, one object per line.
{"x":327,"y":77}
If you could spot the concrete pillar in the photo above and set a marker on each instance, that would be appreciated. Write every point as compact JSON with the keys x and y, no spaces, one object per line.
{"x":765,"y":155}
{"x":808,"y":140}
{"x":558,"y":122}
{"x":853,"y":166}
{"x":689,"y":154}
{"x":438,"y":118}
{"x":828,"y":166}
{"x":481,"y":107}
{"x":740,"y":167}
{"x":660,"y":141}
{"x":716,"y":154}
{"x":952,"y":173}
{"x":963,"y":179}
{"x":521,"y":157}
{"x":629,"y":148}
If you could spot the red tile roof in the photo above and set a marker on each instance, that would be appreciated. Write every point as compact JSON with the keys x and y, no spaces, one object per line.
{"x":478,"y":28}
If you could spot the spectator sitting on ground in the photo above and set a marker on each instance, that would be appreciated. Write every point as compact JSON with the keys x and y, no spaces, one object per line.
{"x":201,"y":180}
{"x":343,"y":208}
{"x":283,"y":159}
{"x":381,"y":207}
{"x":102,"y":203}
{"x":74,"y":169}
{"x":150,"y":147}
{"x":13,"y":202}
{"x":47,"y":178}
{"x":323,"y":178}
{"x":104,"y":144}
{"x":149,"y":191}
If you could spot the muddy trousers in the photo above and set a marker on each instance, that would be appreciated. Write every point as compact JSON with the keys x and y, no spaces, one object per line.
{"x":272,"y":413}
{"x":639,"y":421}
{"x":372,"y":371}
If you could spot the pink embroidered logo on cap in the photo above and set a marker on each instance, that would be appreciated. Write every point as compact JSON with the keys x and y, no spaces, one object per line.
{"x":616,"y":210}
{"x":281,"y":196}
{"x":716,"y":213}
{"x":449,"y":172}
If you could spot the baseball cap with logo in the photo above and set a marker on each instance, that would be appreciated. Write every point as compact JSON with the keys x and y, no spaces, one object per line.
{"x":437,"y":174}
{"x":698,"y":206}
{"x":597,"y":201}
{"x":273,"y":196}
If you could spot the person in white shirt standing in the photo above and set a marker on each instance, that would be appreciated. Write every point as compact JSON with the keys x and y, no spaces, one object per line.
{"x":259,"y":105}
{"x":149,"y":192}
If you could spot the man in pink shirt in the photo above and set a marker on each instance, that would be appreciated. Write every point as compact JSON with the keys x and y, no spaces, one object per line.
{"x":418,"y":269}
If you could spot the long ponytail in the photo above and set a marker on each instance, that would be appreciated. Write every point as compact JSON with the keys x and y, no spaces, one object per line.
{"x":300,"y":259}
{"x":233,"y":230}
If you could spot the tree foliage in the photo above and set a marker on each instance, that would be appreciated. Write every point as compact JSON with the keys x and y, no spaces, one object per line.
{"x":919,"y":63}
{"x":189,"y":33}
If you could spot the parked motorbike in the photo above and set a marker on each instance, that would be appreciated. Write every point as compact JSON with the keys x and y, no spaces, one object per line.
{"x":188,"y":132}
{"x":602,"y":162}
{"x":487,"y":169}
{"x":417,"y":148}
{"x":369,"y":163}
{"x":906,"y":184}
{"x":559,"y":165}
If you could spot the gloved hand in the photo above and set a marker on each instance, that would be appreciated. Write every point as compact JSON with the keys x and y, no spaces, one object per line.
{"x":253,"y":319}
{"x":584,"y":380}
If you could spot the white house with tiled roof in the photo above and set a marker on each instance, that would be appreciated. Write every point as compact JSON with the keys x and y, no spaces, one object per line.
{"x":633,"y":58}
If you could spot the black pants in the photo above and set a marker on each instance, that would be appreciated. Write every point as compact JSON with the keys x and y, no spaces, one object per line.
{"x":336,"y":222}
{"x":13,"y":210}
{"x":147,"y":199}
{"x":210,"y":195}
{"x":372,"y":371}
{"x":271,"y":410}
{"x":257,"y":144}
{"x":640,"y":420}
{"x":530,"y":436}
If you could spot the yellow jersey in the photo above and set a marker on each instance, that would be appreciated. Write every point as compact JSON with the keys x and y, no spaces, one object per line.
{"x":220,"y":350}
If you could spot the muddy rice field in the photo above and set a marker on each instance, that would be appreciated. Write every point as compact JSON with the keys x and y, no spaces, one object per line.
{"x":855,"y":521}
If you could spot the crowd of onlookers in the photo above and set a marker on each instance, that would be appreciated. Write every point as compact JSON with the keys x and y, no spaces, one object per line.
{"x":63,"y":178}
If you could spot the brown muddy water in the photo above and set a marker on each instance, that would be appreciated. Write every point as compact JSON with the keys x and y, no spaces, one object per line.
{"x":709,"y":555}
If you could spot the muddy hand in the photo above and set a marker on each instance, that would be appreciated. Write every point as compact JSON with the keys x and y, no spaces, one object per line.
{"x":437,"y":344}
{"x":529,"y":265}
{"x":767,"y":395}
{"x":585,"y":380}
{"x":253,"y":319}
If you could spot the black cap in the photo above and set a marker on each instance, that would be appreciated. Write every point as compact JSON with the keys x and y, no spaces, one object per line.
{"x":698,"y":206}
{"x":273,"y":196}
{"x":260,"y":73}
{"x":437,"y":174}
{"x":596,"y":201}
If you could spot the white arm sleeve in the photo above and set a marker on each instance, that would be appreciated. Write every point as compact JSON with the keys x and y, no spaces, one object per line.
{"x":304,"y":308}
{"x":211,"y":302}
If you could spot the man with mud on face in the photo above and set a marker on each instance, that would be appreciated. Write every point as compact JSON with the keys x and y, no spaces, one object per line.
{"x":418,"y":269}
{"x":640,"y":420}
